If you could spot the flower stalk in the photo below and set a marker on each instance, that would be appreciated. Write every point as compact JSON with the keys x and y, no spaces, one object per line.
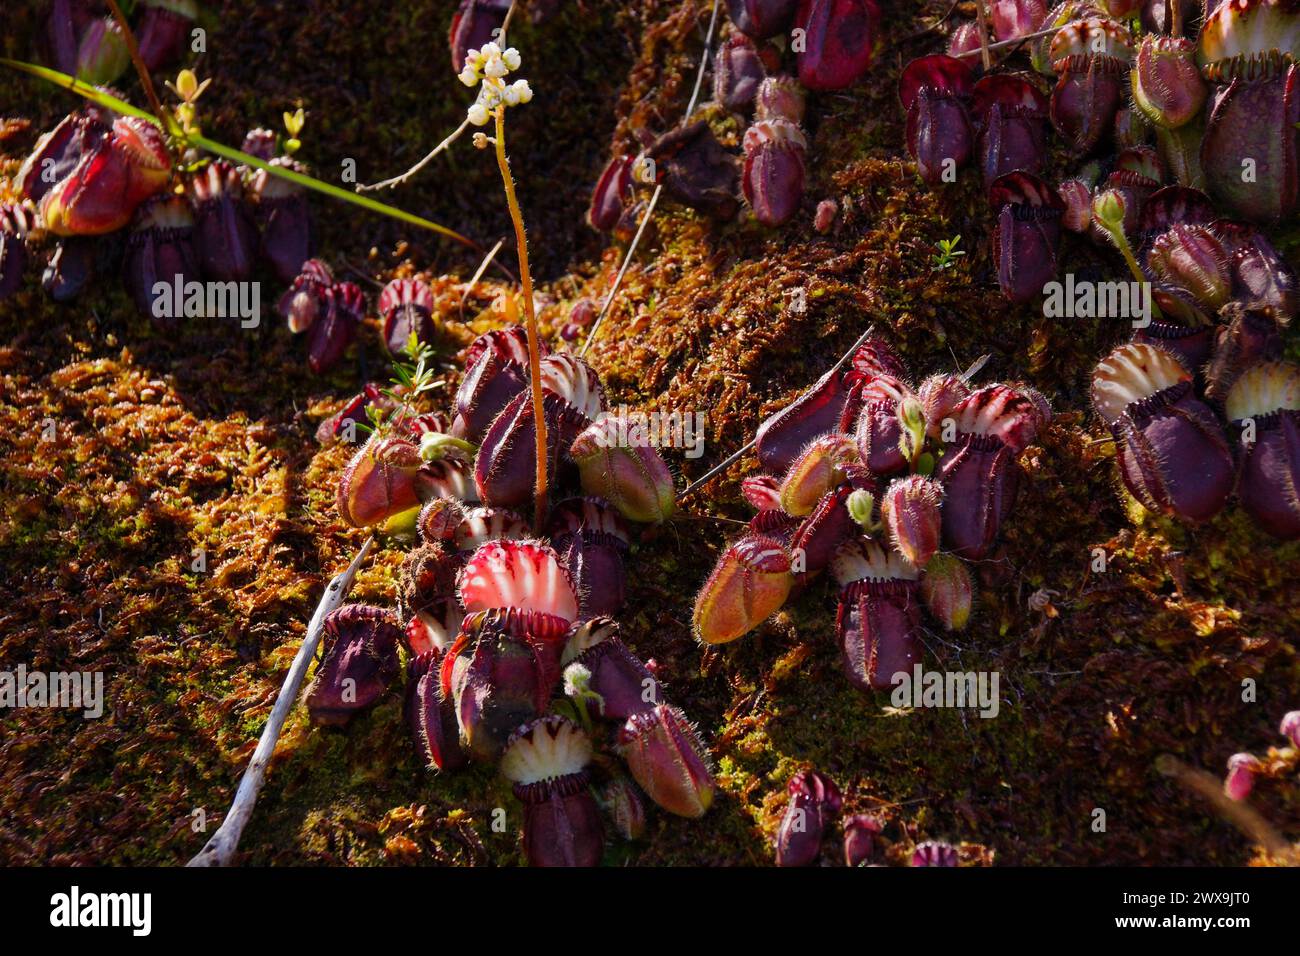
{"x":530,"y":312}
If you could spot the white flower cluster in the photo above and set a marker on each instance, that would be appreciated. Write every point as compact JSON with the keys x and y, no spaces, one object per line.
{"x":490,"y":66}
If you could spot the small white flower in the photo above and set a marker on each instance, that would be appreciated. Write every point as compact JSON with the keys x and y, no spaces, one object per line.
{"x":522,"y":90}
{"x":511,"y":59}
{"x":490,"y":49}
{"x":468,"y":76}
{"x":478,"y":114}
{"x":495,"y":68}
{"x":511,"y":96}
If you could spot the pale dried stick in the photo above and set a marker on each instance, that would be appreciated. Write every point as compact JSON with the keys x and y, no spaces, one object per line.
{"x":221,"y":847}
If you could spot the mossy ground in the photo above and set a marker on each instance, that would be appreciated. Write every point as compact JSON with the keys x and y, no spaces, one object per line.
{"x":205,"y":440}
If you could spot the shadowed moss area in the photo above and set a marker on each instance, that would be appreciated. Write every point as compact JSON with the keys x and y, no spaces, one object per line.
{"x":205,"y":440}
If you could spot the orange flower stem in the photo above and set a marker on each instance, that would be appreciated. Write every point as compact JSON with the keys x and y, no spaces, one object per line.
{"x":534,"y":352}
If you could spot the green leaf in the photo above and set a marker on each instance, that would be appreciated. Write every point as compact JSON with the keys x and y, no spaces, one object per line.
{"x":110,"y":102}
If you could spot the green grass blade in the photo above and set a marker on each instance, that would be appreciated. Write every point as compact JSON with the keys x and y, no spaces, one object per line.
{"x":308,"y":182}
{"x":108,"y":101}
{"x":73,"y":85}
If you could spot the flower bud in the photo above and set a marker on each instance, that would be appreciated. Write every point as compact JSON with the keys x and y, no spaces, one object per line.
{"x":1172,"y":454}
{"x":862,"y":508}
{"x":910,"y":512}
{"x":359,"y":661}
{"x":838,"y":41}
{"x":1240,"y":780}
{"x":1167,"y":86}
{"x":664,"y":754}
{"x":1264,"y":407}
{"x":948,"y":591}
{"x":634,"y":478}
{"x":878,"y":619}
{"x":749,"y":583}
{"x":814,"y":801}
{"x":430,"y":716}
